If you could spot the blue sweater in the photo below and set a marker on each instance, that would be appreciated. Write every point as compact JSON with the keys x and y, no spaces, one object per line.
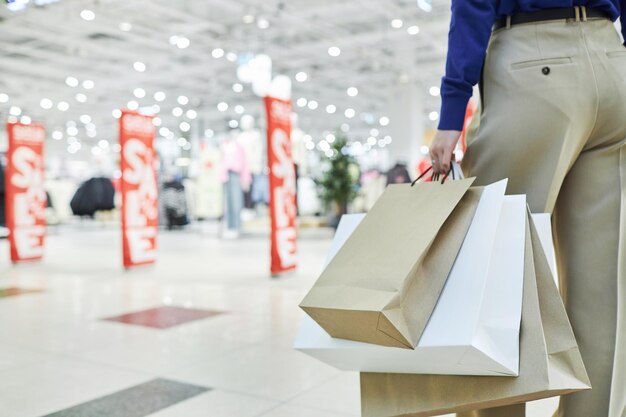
{"x":470,"y":30}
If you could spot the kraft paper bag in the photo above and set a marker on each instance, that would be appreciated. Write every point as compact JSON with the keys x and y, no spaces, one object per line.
{"x":474,"y":329}
{"x":384,"y":283}
{"x":550,"y":362}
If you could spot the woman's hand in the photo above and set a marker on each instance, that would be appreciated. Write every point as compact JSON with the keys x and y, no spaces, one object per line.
{"x":442,"y":150}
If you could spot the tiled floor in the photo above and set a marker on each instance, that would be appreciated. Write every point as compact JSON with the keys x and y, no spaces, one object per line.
{"x":57,"y":352}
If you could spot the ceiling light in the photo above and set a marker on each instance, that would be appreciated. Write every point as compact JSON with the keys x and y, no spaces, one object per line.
{"x":350,"y":113}
{"x":46,"y":103}
{"x":104,"y":144}
{"x":4,"y":98}
{"x":384,"y":121}
{"x":388,"y":140}
{"x":192,"y":114}
{"x":331,"y":108}
{"x":155,"y":108}
{"x":132,"y":105}
{"x":413,"y":30}
{"x":139,"y":92}
{"x":301,"y":76}
{"x":88,"y":84}
{"x":425,"y":5}
{"x":71,"y":81}
{"x":371,"y":141}
{"x":222,"y":106}
{"x":374,"y":132}
{"x":72,"y":131}
{"x":177,"y":112}
{"x":248,"y":18}
{"x":139,"y":66}
{"x":157,"y":121}
{"x":313,"y":104}
{"x":81,"y":98}
{"x":181,"y":141}
{"x":85,"y":118}
{"x":92,"y":133}
{"x":15,"y":111}
{"x":159,"y":96}
{"x":424,"y":150}
{"x":63,"y":106}
{"x":434,"y":91}
{"x":234,"y":124}
{"x":396,"y":23}
{"x":217,"y":53}
{"x":173,"y":40}
{"x":184,"y":126}
{"x":164,"y":131}
{"x":182,"y":42}
{"x":433,"y":115}
{"x":353,"y":91}
{"x":262,"y":23}
{"x":117,"y":113}
{"x":334,"y":51}
{"x":57,"y":135}
{"x":231,"y":56}
{"x":125,"y":26}
{"x":301,"y":102}
{"x":237,"y":88}
{"x":330,"y":138}
{"x":182,"y":100}
{"x":209,"y":133}
{"x":239,"y":109}
{"x":26,"y":120}
{"x":88,"y":15}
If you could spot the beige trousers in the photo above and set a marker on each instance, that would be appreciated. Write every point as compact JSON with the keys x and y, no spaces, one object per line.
{"x":554,"y":123}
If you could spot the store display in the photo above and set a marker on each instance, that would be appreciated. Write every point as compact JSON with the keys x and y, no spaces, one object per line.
{"x":282,"y":178}
{"x":95,"y":194}
{"x":174,"y":204}
{"x":209,"y":187}
{"x":550,"y":361}
{"x":139,"y":189}
{"x":236,"y":177}
{"x":26,"y":199}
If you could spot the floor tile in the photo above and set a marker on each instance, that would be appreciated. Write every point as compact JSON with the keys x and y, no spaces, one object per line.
{"x":14,"y":356}
{"x":273,"y":373}
{"x":163,"y":317}
{"x":138,"y":401}
{"x":57,"y":383}
{"x":340,"y":395}
{"x":217,"y":403}
{"x":298,"y":411}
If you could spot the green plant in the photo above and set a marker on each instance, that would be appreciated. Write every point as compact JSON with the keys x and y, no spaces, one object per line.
{"x":339,"y":182}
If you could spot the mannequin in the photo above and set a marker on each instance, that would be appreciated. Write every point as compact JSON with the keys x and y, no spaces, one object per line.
{"x":209,"y":189}
{"x":236,"y":178}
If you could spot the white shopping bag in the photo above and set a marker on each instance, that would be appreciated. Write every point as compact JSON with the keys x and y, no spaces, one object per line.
{"x":474,"y":329}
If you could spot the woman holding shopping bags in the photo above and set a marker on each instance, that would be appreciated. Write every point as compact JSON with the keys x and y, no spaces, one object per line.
{"x":552,"y":80}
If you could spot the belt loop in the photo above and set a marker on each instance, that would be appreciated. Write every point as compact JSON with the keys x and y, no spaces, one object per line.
{"x":577,"y":13}
{"x":584,"y":10}
{"x":508,"y":22}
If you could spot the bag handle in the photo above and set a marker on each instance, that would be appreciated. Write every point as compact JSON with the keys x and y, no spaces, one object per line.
{"x":454,"y":169}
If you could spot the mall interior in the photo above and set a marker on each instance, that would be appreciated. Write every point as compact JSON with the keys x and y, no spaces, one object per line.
{"x":247,"y":128}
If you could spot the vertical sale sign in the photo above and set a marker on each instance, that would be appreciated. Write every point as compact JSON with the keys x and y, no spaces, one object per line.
{"x":282,"y":185}
{"x":25,"y":194}
{"x":139,"y":189}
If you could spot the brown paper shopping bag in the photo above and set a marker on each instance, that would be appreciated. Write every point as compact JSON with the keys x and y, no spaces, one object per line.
{"x":384,"y":283}
{"x":550,"y":362}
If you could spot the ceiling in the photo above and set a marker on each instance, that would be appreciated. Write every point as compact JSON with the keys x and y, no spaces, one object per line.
{"x":41,"y":46}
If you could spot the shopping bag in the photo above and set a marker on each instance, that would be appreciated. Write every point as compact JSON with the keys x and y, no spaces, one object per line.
{"x":550,"y":362}
{"x":474,"y":329}
{"x":384,"y":282}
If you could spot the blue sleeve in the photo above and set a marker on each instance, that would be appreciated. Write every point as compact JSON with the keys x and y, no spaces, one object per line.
{"x":470,"y":30}
{"x":623,"y":19}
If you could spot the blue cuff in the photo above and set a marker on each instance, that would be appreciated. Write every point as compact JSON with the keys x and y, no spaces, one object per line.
{"x":453,"y":109}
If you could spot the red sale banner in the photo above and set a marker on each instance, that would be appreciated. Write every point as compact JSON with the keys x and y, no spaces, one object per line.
{"x":25,"y":193}
{"x":282,"y":185}
{"x":139,"y":189}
